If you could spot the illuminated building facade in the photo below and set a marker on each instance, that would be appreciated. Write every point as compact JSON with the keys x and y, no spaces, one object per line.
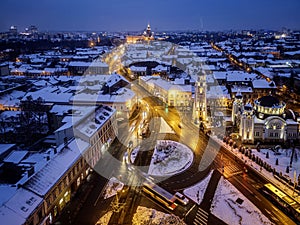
{"x":148,"y":35}
{"x":267,"y":120}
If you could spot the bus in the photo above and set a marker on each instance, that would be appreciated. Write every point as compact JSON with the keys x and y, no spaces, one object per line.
{"x":160,"y":194}
{"x":285,"y":202}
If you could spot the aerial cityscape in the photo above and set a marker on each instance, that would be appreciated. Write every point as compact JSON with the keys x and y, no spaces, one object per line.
{"x":144,"y":113}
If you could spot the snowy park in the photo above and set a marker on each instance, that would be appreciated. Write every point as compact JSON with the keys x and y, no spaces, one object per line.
{"x":280,"y":160}
{"x":197,"y":191}
{"x":232,"y":207}
{"x":112,"y":187}
{"x":170,"y":158}
{"x":145,"y":215}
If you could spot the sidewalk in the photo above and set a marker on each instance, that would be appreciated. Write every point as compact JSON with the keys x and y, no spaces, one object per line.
{"x":261,"y":170}
{"x":210,"y":191}
{"x":69,"y":213}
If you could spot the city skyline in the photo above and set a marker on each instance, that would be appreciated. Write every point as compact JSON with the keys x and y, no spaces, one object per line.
{"x":133,"y":15}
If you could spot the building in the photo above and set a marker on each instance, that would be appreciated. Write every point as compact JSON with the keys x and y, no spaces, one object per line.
{"x":266,"y":121}
{"x":4,"y":69}
{"x":41,"y":196}
{"x":200,"y":101}
{"x":147,"y":35}
{"x":173,"y":95}
{"x":81,"y":68}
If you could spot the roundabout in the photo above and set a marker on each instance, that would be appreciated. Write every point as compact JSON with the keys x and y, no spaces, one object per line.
{"x":169,"y":158}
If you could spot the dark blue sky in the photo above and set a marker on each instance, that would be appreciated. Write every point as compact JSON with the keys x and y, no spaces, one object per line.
{"x":123,"y":15}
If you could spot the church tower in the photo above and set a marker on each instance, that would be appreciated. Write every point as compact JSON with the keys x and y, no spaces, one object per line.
{"x":148,"y":31}
{"x":247,"y":124}
{"x":237,"y":108}
{"x":200,"y":103}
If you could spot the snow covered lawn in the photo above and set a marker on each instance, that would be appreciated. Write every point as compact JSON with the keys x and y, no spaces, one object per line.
{"x":170,"y":158}
{"x":134,"y":154}
{"x":145,"y":215}
{"x":226,"y":207}
{"x":104,"y":220}
{"x":283,"y":156}
{"x":112,"y":187}
{"x":197,"y":191}
{"x":164,"y":127}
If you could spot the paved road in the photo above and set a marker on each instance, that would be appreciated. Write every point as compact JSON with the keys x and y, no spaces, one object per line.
{"x":204,"y":150}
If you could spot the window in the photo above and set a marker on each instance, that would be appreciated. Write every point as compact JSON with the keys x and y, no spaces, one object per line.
{"x":276,"y":134}
{"x":271,"y":134}
{"x":256,"y":133}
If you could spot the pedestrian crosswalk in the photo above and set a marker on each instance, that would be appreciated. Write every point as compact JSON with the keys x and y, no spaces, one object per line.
{"x":232,"y":170}
{"x":201,"y":217}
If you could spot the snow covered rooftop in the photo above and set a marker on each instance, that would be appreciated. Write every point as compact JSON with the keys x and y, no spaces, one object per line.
{"x":8,"y":216}
{"x":242,"y":89}
{"x":88,"y":64}
{"x":95,"y":121}
{"x":24,"y":202}
{"x":217,"y":92}
{"x":5,"y":147}
{"x":138,"y":68}
{"x":121,"y":96}
{"x":52,"y":94}
{"x":238,"y":76}
{"x":115,"y":78}
{"x":43,"y":180}
{"x":15,"y":157}
{"x":220,"y":75}
{"x":262,"y":83}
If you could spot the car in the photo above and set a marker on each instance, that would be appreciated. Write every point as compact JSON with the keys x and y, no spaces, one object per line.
{"x":181,"y":198}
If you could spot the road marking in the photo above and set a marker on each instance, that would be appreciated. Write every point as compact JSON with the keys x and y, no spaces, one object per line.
{"x":274,"y":218}
{"x":257,"y":198}
{"x":201,"y":221}
{"x":274,"y":208}
{"x":202,"y":210}
{"x":268,"y":211}
{"x":233,"y":174}
{"x":201,"y":218}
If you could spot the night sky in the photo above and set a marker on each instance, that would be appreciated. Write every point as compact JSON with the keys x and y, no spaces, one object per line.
{"x":133,"y":15}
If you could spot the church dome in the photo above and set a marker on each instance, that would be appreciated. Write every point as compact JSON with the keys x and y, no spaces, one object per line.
{"x":269,"y":105}
{"x":268,"y":101}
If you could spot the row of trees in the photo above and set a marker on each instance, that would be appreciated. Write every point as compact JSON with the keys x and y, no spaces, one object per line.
{"x":29,"y":125}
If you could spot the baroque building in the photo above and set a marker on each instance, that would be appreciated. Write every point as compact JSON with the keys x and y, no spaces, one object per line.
{"x":267,"y":120}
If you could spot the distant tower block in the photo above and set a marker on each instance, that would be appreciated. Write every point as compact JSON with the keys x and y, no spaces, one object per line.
{"x":237,"y":108}
{"x":200,"y":103}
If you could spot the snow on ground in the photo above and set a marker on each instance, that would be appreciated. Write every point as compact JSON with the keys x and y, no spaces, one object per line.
{"x":112,"y":187}
{"x":164,"y":127}
{"x":170,"y":158}
{"x":225,"y":207}
{"x":268,"y":175}
{"x":283,"y":160}
{"x":134,"y":154}
{"x":197,"y":191}
{"x":104,"y":220}
{"x":145,"y":215}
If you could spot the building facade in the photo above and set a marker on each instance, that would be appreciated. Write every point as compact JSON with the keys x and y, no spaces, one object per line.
{"x":267,"y":121}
